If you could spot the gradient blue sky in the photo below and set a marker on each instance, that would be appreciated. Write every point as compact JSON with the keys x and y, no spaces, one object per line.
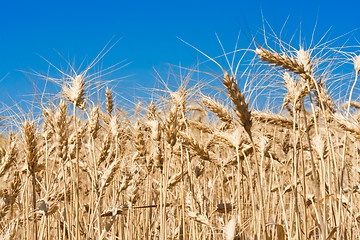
{"x":147,"y":30}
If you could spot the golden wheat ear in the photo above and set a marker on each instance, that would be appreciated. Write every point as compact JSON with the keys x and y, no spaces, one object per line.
{"x":238,"y":99}
{"x":74,"y":91}
{"x":109,"y":102}
{"x":218,"y":109}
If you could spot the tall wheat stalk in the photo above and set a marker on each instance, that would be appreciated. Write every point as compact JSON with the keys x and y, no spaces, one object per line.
{"x":75,"y":94}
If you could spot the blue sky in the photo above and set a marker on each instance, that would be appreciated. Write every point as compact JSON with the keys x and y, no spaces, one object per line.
{"x":147,"y":32}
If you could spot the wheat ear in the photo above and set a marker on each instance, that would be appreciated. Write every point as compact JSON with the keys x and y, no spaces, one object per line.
{"x":301,"y":65}
{"x":74,"y":91}
{"x":238,"y":99}
{"x":10,"y":155}
{"x":274,"y":119}
{"x":109,"y":102}
{"x":218,"y":109}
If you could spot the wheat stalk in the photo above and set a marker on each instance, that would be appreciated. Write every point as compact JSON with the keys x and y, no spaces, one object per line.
{"x":32,"y":158}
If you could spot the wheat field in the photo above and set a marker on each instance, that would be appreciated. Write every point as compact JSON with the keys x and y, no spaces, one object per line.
{"x":190,"y":165}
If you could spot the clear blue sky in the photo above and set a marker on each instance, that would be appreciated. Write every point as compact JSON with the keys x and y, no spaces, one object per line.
{"x":147,"y":30}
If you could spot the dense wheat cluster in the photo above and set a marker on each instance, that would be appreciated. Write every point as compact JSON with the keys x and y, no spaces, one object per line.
{"x":189,"y":166}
